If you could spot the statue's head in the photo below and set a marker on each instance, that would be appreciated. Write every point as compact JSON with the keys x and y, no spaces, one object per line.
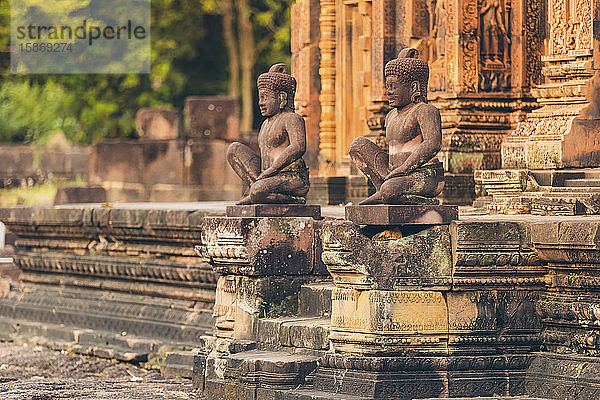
{"x":276,"y":90}
{"x":406,"y":79}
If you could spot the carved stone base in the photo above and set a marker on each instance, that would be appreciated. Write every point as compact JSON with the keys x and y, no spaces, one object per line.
{"x":375,"y":322}
{"x":267,"y":368}
{"x":547,"y":140}
{"x":262,"y":263}
{"x":388,"y":322}
{"x":274,"y":210}
{"x":401,"y":258}
{"x":422,"y":377}
{"x":564,"y":376}
{"x":402,"y":215}
{"x":541,"y":192}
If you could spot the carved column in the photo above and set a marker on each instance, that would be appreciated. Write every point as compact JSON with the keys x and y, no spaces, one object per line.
{"x":305,"y":67}
{"x":327,"y":70}
{"x":383,"y":49}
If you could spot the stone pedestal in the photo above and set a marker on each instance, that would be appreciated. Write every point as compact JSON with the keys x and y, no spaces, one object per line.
{"x":424,"y":311}
{"x":401,"y":214}
{"x":261,"y":263}
{"x":274,"y":210}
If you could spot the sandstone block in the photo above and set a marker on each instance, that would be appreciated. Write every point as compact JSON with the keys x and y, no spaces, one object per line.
{"x":69,"y":195}
{"x":211,"y":118}
{"x":386,"y":322}
{"x":402,"y":215}
{"x":371,"y":259}
{"x":157,"y":123}
{"x":274,"y":210}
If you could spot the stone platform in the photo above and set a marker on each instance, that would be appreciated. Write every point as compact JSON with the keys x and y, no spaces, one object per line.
{"x":470,"y":309}
{"x":494,"y":306}
{"x":123,"y":283}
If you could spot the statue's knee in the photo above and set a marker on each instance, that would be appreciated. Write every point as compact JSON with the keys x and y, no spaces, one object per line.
{"x":233,"y":149}
{"x":385,"y":192}
{"x":258,"y":191}
{"x":357,"y":145}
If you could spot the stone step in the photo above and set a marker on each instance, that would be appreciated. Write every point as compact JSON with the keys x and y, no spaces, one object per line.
{"x":311,"y":394}
{"x":488,"y":398}
{"x":178,"y":363}
{"x":315,"y":299}
{"x":270,"y":368}
{"x":122,"y":347}
{"x":111,"y":345}
{"x":587,"y":182}
{"x":299,"y":332}
{"x":557,"y":177}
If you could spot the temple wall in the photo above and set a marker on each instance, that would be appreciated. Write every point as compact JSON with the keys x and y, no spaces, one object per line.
{"x":484,"y":58}
{"x":26,"y":165}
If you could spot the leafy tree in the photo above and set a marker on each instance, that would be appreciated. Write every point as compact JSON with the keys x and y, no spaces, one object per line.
{"x":193,"y":53}
{"x":262,"y":38}
{"x":31,"y":112}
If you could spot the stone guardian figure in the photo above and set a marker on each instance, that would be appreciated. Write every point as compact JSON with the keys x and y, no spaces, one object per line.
{"x":437,"y":29}
{"x":410,"y":173}
{"x":278,"y":174}
{"x":493,"y":31}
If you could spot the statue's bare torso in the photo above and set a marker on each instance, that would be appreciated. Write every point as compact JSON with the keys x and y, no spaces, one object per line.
{"x":274,"y":138}
{"x":404,"y":134}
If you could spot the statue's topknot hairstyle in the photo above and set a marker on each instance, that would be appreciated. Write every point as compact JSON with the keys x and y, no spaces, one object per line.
{"x":408,"y":67}
{"x":278,"y":80}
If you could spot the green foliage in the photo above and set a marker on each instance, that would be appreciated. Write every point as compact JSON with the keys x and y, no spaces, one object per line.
{"x":188,"y":58}
{"x":31,"y":112}
{"x":272,"y":28}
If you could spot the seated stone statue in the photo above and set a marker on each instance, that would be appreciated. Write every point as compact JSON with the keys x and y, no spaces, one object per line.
{"x":278,"y":174}
{"x":410,"y":173}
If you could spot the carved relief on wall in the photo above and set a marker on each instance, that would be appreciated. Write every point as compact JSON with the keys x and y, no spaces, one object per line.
{"x":494,"y":45}
{"x":469,"y":41}
{"x":570,"y":27}
{"x":438,"y":19}
{"x":534,"y":31}
{"x":451,"y":43}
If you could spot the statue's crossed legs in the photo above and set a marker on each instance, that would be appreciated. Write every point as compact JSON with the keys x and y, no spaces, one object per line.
{"x":287,"y":187}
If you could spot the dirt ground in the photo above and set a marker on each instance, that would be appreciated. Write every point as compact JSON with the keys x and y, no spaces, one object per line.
{"x":37,"y":373}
